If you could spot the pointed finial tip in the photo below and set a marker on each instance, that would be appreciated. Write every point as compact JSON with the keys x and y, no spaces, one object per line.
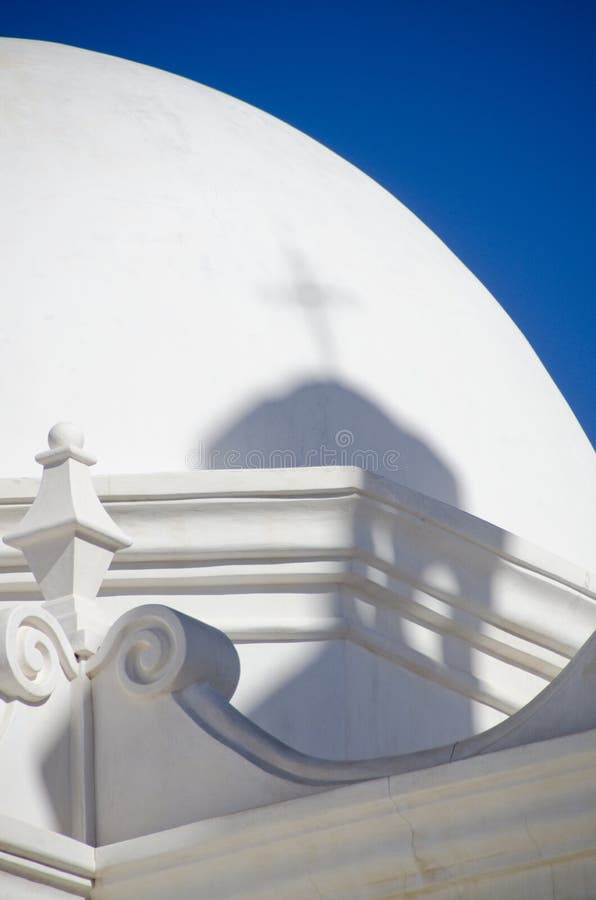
{"x":65,"y":434}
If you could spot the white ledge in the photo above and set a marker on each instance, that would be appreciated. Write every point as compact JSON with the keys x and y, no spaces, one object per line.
{"x":317,"y":481}
{"x":45,"y":846}
{"x":447,"y":828}
{"x":517,"y":608}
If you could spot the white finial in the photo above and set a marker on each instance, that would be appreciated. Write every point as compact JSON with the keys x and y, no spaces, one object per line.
{"x":67,"y":536}
{"x":65,"y":434}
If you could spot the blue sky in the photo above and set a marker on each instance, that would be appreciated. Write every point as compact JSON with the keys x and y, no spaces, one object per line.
{"x":479,"y":116}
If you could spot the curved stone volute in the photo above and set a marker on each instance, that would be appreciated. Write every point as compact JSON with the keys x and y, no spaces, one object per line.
{"x":158,"y":650}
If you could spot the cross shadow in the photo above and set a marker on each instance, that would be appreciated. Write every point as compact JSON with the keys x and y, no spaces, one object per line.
{"x":315,"y":300}
{"x":340,"y":700}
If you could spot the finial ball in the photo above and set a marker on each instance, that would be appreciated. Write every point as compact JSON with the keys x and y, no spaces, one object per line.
{"x":65,"y":434}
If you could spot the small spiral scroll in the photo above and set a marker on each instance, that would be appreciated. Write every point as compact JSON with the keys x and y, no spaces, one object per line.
{"x":150,"y":656}
{"x":33,"y":651}
{"x":158,"y":650}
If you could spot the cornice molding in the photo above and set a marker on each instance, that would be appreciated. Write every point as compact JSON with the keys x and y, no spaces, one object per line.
{"x":44,"y":857}
{"x":333,"y":481}
{"x":373,"y":543}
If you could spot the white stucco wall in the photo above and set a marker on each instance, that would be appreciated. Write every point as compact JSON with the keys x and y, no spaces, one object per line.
{"x":185,"y":275}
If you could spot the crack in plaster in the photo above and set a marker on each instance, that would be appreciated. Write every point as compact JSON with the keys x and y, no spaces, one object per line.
{"x":421,"y":867}
{"x":314,"y":884}
{"x":540,"y":854}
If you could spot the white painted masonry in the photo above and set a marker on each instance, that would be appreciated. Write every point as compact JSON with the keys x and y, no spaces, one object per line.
{"x":150,"y":739}
{"x":199,"y":284}
{"x":272,"y":673}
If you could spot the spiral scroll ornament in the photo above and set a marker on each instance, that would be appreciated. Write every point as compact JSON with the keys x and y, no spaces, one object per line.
{"x":34,"y":650}
{"x":159,"y":650}
{"x":150,"y":656}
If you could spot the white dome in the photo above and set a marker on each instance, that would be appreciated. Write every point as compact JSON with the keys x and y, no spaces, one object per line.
{"x":185,"y":276}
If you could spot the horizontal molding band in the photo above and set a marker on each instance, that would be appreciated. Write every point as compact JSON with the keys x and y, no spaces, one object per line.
{"x":194,"y":577}
{"x":57,"y":851}
{"x":41,"y":873}
{"x":325,"y":629}
{"x":316,"y":483}
{"x":345,"y":531}
{"x":461,"y":683}
{"x":140,"y":583}
{"x":444,"y":625}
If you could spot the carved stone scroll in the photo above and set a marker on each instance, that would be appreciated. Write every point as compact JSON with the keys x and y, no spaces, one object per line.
{"x":33,"y":651}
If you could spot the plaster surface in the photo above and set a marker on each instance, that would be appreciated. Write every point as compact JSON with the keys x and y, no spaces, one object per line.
{"x":479,"y":829}
{"x":483,"y":828}
{"x":369,"y":619}
{"x":242,"y":290}
{"x":137,"y":753}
